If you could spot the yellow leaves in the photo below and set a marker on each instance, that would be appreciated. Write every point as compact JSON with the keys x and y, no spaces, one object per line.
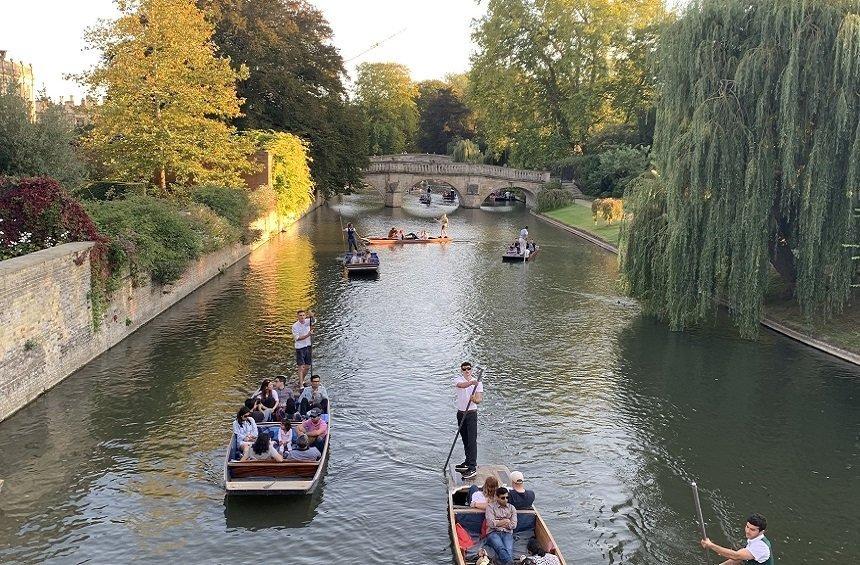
{"x":291,"y":174}
{"x":166,"y":96}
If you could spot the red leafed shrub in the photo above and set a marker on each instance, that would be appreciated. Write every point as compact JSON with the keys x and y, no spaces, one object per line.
{"x":36,"y":213}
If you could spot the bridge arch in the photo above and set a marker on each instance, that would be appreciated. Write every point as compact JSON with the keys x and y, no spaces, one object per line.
{"x":393,"y":175}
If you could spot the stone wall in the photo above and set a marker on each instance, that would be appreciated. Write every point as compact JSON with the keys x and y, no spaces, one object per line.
{"x":46,"y":324}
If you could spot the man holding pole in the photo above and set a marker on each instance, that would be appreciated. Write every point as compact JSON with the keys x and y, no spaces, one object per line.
{"x":470,"y":393}
{"x":757,"y":550}
{"x":303,"y":329}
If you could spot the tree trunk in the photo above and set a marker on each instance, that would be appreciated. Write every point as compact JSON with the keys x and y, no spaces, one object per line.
{"x":162,"y":180}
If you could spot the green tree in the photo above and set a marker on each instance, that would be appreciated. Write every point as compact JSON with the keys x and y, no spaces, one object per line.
{"x":297,"y":83}
{"x":386,"y":96}
{"x":758,"y":153}
{"x":291,"y":172}
{"x":467,"y":151}
{"x":166,"y":97}
{"x":443,"y":116}
{"x":41,"y":148}
{"x":548,"y":74}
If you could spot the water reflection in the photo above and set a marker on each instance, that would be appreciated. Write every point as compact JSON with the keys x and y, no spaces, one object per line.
{"x":606,"y":412}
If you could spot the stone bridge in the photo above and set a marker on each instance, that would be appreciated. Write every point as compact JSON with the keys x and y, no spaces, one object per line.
{"x":394,"y":175}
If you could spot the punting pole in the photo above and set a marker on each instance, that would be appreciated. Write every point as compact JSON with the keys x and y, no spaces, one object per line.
{"x":480,"y":371}
{"x":698,"y":509}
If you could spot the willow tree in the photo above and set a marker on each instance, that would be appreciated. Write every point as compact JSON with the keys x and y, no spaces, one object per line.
{"x":757,"y":158}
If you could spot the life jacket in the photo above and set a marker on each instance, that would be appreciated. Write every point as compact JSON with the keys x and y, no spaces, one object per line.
{"x":769,"y":559}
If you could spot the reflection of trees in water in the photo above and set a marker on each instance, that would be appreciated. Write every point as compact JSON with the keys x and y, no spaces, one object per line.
{"x":256,"y":513}
{"x":758,"y":425}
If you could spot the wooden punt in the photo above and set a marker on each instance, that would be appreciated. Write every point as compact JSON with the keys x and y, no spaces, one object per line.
{"x":514,"y":257}
{"x":460,"y":512}
{"x":371,"y":266}
{"x":270,"y":477}
{"x":393,"y":241}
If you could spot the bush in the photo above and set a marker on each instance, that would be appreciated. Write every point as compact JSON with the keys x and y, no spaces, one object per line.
{"x":552,"y":199}
{"x":610,"y":209}
{"x":149,"y":236}
{"x":604,"y":174}
{"x":36,"y":213}
{"x":234,"y":205}
{"x":215,"y":231}
{"x":575,"y":168}
{"x":111,"y":190}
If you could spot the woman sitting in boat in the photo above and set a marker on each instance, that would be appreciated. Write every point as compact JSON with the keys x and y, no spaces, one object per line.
{"x":244,"y":427}
{"x":423,"y":235}
{"x":286,"y":437}
{"x":262,"y":450}
{"x":268,"y":398}
{"x":480,"y":498}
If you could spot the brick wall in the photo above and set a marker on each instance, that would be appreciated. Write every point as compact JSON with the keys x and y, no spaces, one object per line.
{"x":46,"y":327}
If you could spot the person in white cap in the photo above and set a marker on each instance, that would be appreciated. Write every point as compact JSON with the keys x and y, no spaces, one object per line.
{"x":521,"y":498}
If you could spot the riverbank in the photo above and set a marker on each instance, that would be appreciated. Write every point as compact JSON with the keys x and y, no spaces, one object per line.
{"x":839,"y":337}
{"x":47,"y":330}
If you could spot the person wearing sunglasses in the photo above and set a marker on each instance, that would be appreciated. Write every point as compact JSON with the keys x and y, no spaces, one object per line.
{"x":501,"y":519}
{"x":470,"y":393}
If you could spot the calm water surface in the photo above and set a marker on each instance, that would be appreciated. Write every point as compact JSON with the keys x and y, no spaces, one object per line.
{"x":607,"y":413}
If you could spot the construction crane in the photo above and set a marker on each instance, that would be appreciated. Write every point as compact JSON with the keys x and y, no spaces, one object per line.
{"x":375,"y":45}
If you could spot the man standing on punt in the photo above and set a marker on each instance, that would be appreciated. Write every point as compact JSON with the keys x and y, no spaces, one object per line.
{"x":470,"y":393}
{"x":303,"y":329}
{"x":757,"y":550}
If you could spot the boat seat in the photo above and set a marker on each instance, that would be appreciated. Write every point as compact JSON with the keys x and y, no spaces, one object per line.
{"x":521,"y":541}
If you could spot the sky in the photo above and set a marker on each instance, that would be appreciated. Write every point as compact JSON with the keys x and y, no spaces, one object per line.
{"x":433,"y":38}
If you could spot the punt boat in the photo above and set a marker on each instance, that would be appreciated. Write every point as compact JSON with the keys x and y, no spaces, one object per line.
{"x":371,"y":266}
{"x":529,"y":522}
{"x":394,"y":240}
{"x":514,"y":257}
{"x":271,"y":477}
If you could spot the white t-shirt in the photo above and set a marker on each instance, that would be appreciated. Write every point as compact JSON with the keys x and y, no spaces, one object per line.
{"x":265,"y":456}
{"x":760,"y":551}
{"x":477,"y":497}
{"x":524,"y":233}
{"x":300,"y":329}
{"x":464,"y":394}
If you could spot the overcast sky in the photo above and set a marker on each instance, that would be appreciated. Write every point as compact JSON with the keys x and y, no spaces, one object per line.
{"x":433,"y":37}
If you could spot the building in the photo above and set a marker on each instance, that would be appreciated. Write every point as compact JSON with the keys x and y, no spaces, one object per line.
{"x":20,"y":76}
{"x":78,"y":114}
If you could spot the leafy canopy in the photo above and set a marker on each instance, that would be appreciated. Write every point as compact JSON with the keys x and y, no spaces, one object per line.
{"x":443,"y":115}
{"x":166,"y":97}
{"x":386,"y":96}
{"x":757,"y":150}
{"x":548,"y":74}
{"x":297,"y":83}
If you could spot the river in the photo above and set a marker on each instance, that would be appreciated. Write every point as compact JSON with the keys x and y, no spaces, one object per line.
{"x":608,"y":414}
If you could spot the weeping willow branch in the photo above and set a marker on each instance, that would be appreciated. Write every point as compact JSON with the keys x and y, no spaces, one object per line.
{"x":758,"y":152}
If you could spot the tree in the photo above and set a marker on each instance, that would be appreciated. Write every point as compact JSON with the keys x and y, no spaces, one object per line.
{"x":466,"y":151}
{"x":291,"y":173}
{"x":297,"y":83}
{"x":41,"y":148}
{"x":386,"y":96}
{"x":166,"y":97}
{"x":547,"y":75}
{"x":757,"y":154}
{"x":443,"y":116}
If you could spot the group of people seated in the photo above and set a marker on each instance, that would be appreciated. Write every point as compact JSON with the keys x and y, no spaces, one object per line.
{"x":522,"y":248}
{"x":395,"y":233}
{"x":500,"y":505}
{"x":274,"y":402}
{"x":359,"y":257}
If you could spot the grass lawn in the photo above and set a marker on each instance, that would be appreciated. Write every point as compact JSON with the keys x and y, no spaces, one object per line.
{"x":843,"y":330}
{"x":579,"y":216}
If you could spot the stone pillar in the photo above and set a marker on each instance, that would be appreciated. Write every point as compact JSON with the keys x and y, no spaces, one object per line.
{"x":471,"y":196}
{"x":393,"y":196}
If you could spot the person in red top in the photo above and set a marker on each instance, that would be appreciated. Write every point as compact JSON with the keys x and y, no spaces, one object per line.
{"x":315,"y":428}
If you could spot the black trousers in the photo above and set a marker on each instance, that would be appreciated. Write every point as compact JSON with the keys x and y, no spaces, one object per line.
{"x":305,"y":406}
{"x":469,"y":435}
{"x":353,"y":244}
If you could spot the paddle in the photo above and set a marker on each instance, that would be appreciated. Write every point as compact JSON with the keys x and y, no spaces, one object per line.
{"x":480,"y":371}
{"x":699,"y":514}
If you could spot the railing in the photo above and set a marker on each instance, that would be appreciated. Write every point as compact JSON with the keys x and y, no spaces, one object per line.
{"x":378,"y":166}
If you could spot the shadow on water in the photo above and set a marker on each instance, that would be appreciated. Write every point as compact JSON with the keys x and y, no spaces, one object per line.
{"x":256,"y":513}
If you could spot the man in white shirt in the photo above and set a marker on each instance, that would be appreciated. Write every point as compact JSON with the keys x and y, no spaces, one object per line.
{"x":470,"y":393}
{"x":757,"y":550}
{"x":303,"y":329}
{"x":524,"y":236}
